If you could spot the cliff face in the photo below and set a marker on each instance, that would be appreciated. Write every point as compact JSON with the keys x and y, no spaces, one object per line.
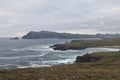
{"x":48,"y":34}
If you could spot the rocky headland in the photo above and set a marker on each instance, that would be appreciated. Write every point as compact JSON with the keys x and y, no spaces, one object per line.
{"x":50,"y":34}
{"x":83,"y":44}
{"x":88,"y":58}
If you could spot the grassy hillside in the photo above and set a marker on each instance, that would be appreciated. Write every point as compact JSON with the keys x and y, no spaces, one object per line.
{"x":76,"y":45}
{"x":108,"y":68}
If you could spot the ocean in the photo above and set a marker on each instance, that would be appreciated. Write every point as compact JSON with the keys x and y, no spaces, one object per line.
{"x":25,"y":53}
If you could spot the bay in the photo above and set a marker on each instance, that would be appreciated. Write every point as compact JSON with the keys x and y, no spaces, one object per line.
{"x":25,"y":53}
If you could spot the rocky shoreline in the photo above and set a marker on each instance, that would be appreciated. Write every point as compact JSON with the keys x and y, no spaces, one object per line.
{"x":105,"y":67}
{"x":88,"y":58}
{"x":101,"y":65}
{"x":83,"y":44}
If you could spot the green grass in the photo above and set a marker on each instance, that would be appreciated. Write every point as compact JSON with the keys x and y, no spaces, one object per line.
{"x":93,"y":43}
{"x":108,"y":68}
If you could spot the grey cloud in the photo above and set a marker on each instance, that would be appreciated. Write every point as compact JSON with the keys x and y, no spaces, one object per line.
{"x":81,"y":16}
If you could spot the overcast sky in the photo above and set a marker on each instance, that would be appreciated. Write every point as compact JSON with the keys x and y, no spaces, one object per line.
{"x":18,"y":17}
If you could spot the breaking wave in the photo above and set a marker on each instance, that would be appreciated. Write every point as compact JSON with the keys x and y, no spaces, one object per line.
{"x":34,"y":48}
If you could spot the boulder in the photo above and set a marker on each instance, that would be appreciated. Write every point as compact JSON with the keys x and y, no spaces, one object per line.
{"x":60,"y":47}
{"x":15,"y":38}
{"x":87,"y":58}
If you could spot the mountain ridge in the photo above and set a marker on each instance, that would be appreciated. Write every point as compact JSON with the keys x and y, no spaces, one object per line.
{"x":50,"y":34}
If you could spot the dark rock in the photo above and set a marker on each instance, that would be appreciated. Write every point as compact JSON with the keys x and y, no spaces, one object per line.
{"x":15,"y":38}
{"x":67,"y":46}
{"x":75,"y":41}
{"x":87,"y":58}
{"x":60,"y":47}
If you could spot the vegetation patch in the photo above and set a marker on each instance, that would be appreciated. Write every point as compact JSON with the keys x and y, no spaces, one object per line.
{"x":83,"y":44}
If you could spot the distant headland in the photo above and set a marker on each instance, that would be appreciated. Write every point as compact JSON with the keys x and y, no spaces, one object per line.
{"x":49,"y":34}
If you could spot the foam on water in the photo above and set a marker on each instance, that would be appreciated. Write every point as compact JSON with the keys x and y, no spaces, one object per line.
{"x":44,"y":56}
{"x":34,"y":48}
{"x":32,"y":66}
{"x":19,"y":57}
{"x":92,"y":50}
{"x":54,"y":62}
{"x":6,"y":65}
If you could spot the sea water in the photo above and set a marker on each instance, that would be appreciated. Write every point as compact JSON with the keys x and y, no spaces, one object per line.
{"x":25,"y":53}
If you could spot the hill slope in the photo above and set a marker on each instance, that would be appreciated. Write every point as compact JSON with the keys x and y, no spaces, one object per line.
{"x":48,"y":34}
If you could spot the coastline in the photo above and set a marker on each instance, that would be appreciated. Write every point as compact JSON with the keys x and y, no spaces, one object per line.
{"x":81,"y":44}
{"x":108,"y":64}
{"x":117,"y":47}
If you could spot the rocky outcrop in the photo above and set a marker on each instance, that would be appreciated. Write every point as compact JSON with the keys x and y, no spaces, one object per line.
{"x":67,"y":47}
{"x":87,"y":58}
{"x":60,"y":47}
{"x":49,"y":34}
{"x":15,"y":38}
{"x":70,"y":46}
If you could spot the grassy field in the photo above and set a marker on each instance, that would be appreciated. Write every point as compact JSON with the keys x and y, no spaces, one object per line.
{"x":83,"y":44}
{"x":108,"y":68}
{"x":94,"y":43}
